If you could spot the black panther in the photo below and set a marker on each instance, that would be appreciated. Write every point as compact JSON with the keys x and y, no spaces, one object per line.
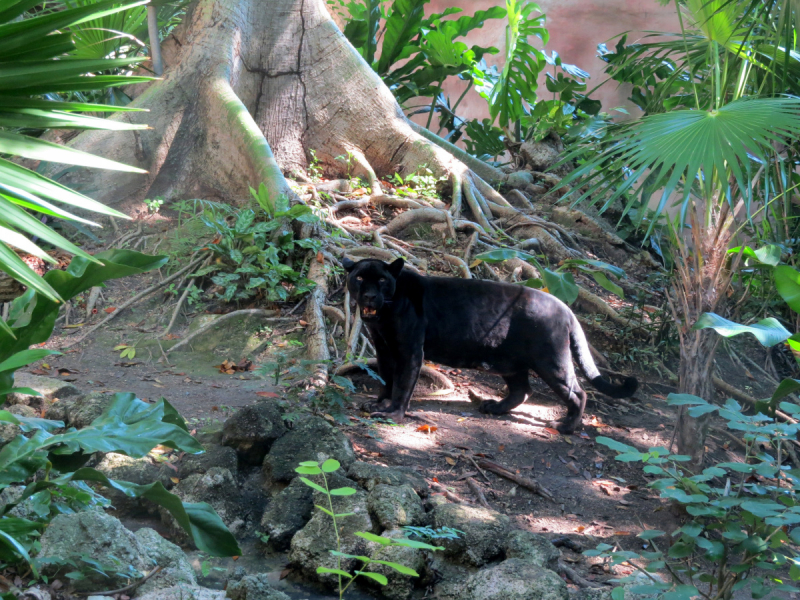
{"x":469,"y":323}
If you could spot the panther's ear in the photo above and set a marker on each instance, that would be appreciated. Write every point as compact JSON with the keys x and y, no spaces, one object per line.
{"x":348,"y":264}
{"x":396,"y":267}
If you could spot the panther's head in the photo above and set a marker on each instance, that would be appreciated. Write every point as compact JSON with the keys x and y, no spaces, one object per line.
{"x":372,"y":283}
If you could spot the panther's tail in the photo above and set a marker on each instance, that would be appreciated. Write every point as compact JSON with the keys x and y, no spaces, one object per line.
{"x":582,"y":354}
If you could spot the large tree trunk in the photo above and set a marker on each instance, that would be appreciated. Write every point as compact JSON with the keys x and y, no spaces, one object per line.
{"x":255,"y":86}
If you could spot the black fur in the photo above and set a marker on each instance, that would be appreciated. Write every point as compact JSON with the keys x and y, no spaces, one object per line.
{"x":468,"y":323}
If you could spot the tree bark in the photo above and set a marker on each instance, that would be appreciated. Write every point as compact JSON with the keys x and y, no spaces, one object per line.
{"x":255,"y":86}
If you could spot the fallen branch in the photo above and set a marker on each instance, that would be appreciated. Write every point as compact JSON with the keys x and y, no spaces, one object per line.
{"x":132,"y":301}
{"x":316,"y":336}
{"x":457,"y":262}
{"x":247,"y":312}
{"x":333,"y":313}
{"x":576,"y":579}
{"x":178,"y":307}
{"x":435,"y":376}
{"x":529,"y":484}
{"x":127,"y":588}
{"x":453,"y":497}
{"x":473,"y":485}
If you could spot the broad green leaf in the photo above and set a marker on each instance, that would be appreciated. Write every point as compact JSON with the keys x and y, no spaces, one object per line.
{"x":323,"y":570}
{"x":684,"y":399}
{"x":785,"y":388}
{"x":26,"y":357}
{"x":314,"y":486}
{"x":398,"y":567}
{"x":344,"y":491}
{"x":769,"y":255}
{"x":375,"y":576}
{"x":561,"y":285}
{"x":650,"y":534}
{"x":371,"y":537}
{"x":330,"y":465}
{"x":501,"y":255}
{"x":767,"y":331}
{"x":12,"y":543}
{"x":787,"y":282}
{"x":414,"y":544}
{"x":604,"y":282}
{"x":614,"y":444}
{"x":308,"y":470}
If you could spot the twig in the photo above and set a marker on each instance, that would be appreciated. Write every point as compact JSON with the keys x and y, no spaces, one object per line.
{"x":472,"y":460}
{"x":127,"y":588}
{"x":249,"y":312}
{"x":132,"y":301}
{"x":473,"y":485}
{"x":178,"y":307}
{"x":530,"y":484}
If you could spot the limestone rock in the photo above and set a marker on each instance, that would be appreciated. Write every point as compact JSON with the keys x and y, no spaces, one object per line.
{"x":98,"y":535}
{"x":87,"y":408}
{"x":218,"y":488}
{"x":400,"y":587}
{"x":312,"y":438}
{"x":254,"y":587}
{"x":515,"y":579}
{"x":252,"y":430}
{"x":519,"y":179}
{"x":49,"y":388}
{"x":533,"y":548}
{"x":23,"y":410}
{"x":175,"y":567}
{"x":8,"y":431}
{"x":484,"y":532}
{"x":141,"y":471}
{"x":310,"y":547}
{"x":214,"y":456}
{"x":287,"y":513}
{"x":368,"y":476}
{"x":395,"y":506}
{"x":183,"y":592}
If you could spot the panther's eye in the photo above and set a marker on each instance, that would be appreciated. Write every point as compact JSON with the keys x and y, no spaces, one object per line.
{"x":359,"y":278}
{"x":382,"y":279}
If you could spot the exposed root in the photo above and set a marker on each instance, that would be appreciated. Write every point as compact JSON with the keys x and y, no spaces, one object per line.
{"x":355,"y":331}
{"x":473,"y":239}
{"x":575,"y":578}
{"x":529,"y":484}
{"x":382,"y":200}
{"x":248,"y":312}
{"x":455,"y":206}
{"x":462,"y":266}
{"x":316,"y":338}
{"x":437,"y":378}
{"x":362,"y":162}
{"x":91,"y":301}
{"x":521,"y":199}
{"x":132,"y":301}
{"x":334,"y":314}
{"x":478,"y":492}
{"x":414,"y":217}
{"x":178,"y":307}
{"x":594,"y":304}
{"x":478,"y":213}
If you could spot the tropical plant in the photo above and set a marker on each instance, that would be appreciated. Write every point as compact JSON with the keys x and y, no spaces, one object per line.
{"x":253,"y":248}
{"x":706,"y":154}
{"x":128,"y":426}
{"x":345,"y":578}
{"x":742,"y":516}
{"x":36,"y":62}
{"x":560,"y":281}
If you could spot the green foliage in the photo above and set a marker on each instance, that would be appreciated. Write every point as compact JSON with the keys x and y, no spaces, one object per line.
{"x":154,"y":205}
{"x":429,"y":533}
{"x":312,"y":468}
{"x":37,"y":61}
{"x":560,"y":282}
{"x":253,"y":248}
{"x":767,"y":331}
{"x":742,"y":515}
{"x":128,"y":426}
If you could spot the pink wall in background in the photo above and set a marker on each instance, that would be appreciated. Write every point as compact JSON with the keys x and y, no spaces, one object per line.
{"x":576,"y":27}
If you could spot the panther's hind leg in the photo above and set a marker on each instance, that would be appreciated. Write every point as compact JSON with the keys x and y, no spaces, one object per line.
{"x":560,"y":376}
{"x":518,"y":391}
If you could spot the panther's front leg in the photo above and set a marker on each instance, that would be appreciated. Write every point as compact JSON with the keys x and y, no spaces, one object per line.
{"x":404,"y":380}
{"x":386,"y":366}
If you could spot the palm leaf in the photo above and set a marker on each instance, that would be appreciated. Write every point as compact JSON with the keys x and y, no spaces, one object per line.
{"x":686,"y":150}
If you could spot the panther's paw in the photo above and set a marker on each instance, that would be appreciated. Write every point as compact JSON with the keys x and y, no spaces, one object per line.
{"x":491,"y":407}
{"x":377,"y":406}
{"x":566,"y":427}
{"x":476,"y":399}
{"x":398,"y":416}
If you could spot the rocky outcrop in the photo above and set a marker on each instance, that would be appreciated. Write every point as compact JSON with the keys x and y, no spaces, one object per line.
{"x":484,"y":533}
{"x":394,"y":506}
{"x":252,"y":430}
